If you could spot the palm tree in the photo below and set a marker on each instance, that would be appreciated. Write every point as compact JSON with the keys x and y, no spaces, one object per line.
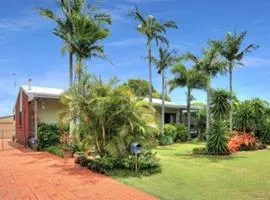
{"x":166,"y":59}
{"x":87,"y":33}
{"x":221,"y":104}
{"x":152,"y":30}
{"x":65,"y":25}
{"x":212,"y":65}
{"x":230,"y":49}
{"x":189,"y":78}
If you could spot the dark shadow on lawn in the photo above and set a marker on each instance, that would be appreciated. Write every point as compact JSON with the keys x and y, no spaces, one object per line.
{"x":212,"y":158}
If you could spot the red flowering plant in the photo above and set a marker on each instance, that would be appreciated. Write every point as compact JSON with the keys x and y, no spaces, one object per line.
{"x":242,"y":142}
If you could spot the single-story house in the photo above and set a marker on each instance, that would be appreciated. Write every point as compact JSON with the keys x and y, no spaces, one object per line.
{"x":41,"y":104}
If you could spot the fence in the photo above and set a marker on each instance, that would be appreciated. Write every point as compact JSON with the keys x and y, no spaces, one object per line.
{"x":5,"y":137}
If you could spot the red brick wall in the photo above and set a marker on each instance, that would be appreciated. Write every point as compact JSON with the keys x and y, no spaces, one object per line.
{"x":22,"y":128}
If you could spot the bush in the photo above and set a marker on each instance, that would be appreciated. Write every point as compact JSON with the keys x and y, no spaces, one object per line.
{"x":166,"y":140}
{"x":182,"y":134}
{"x":265,"y":133}
{"x":217,"y":140}
{"x":170,"y":130}
{"x":56,"y":150}
{"x":199,"y":151}
{"x":125,"y":165}
{"x":48,"y":135}
{"x":242,"y":142}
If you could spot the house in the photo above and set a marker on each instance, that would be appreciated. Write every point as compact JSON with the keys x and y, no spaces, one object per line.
{"x":7,"y":126}
{"x":34,"y":105}
{"x":41,"y":104}
{"x":176,"y":113}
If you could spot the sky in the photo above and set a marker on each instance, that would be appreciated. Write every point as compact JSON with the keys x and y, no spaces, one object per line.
{"x":28,"y":49}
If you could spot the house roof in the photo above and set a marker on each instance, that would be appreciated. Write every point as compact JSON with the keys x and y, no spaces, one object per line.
{"x":44,"y":92}
{"x":168,"y":104}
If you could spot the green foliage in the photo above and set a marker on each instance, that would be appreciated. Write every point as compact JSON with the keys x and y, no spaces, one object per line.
{"x":265,"y":132}
{"x":147,"y":164}
{"x":48,"y":135}
{"x":166,"y":140}
{"x":182,"y":134}
{"x":170,"y":130}
{"x":108,"y":117}
{"x":217,"y":140}
{"x":220,"y":104}
{"x":200,"y":151}
{"x":244,"y":117}
{"x":57,"y":150}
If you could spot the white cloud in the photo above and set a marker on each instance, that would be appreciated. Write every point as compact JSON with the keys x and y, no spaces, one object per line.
{"x":256,"y":61}
{"x":127,"y":42}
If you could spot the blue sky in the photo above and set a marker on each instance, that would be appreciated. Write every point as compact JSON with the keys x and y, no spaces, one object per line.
{"x":29,"y":50}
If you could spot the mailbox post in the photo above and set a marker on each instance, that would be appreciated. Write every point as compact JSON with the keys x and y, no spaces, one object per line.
{"x":136,"y":149}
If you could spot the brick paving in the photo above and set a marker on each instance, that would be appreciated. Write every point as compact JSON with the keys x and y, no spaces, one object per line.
{"x":25,"y":174}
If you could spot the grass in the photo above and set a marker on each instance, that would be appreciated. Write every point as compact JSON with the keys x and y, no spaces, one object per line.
{"x":244,"y":175}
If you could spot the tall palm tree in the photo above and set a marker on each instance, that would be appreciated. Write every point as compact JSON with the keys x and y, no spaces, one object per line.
{"x":189,"y":78}
{"x":85,"y":40}
{"x":152,"y":30}
{"x":166,"y":59}
{"x":230,"y":49}
{"x":212,"y":65}
{"x":65,"y":25}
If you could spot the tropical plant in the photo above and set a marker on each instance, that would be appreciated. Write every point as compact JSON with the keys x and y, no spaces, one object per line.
{"x":244,"y":117}
{"x":48,"y":135}
{"x":78,"y":29}
{"x":189,"y":78}
{"x":265,"y":132}
{"x":182,"y":134}
{"x":217,"y":140}
{"x":230,"y":49}
{"x":108,"y":117}
{"x":242,"y":142}
{"x":165,"y":60}
{"x":220,"y":104}
{"x":212,"y":65}
{"x":152,"y":29}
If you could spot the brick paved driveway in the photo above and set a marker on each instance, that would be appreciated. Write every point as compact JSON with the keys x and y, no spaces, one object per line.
{"x":36,"y":175}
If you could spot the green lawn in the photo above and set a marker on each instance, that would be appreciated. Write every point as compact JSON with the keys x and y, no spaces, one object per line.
{"x":245,"y":175}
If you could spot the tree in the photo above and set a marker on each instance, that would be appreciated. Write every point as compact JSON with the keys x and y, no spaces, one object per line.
{"x":211,"y":64}
{"x":152,"y":30}
{"x":166,"y":59}
{"x":65,"y":30}
{"x":230,"y":49}
{"x":87,"y":33}
{"x":221,"y":104}
{"x":108,"y":117}
{"x":189,"y":78}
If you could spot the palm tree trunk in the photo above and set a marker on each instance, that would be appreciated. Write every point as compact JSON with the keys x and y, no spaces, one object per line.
{"x":208,"y":114}
{"x":70,"y":69}
{"x":188,"y":111}
{"x":150,"y":71}
{"x":163,"y":103}
{"x":231,"y":91}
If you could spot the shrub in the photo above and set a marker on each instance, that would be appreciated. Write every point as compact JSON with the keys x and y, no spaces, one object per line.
{"x":199,"y":151}
{"x":147,"y":164}
{"x":48,"y":135}
{"x":182,"y":134}
{"x":166,"y":140}
{"x":242,"y":142}
{"x":217,"y":140}
{"x":265,"y":133}
{"x":170,"y":130}
{"x":56,"y":150}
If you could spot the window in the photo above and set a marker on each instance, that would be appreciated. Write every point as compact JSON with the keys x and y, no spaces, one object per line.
{"x":170,"y":118}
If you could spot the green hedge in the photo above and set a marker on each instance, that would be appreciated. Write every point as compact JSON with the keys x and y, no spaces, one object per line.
{"x":48,"y":135}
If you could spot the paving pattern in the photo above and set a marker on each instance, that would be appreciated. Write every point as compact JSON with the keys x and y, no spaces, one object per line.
{"x":25,"y":174}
